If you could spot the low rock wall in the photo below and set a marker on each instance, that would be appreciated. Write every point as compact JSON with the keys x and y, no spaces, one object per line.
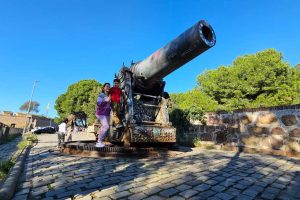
{"x":265,"y":128}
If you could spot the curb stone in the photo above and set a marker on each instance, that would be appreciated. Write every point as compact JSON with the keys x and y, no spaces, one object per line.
{"x":9,"y":185}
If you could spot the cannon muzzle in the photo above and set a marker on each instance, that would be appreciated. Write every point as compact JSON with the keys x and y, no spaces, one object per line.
{"x":176,"y":53}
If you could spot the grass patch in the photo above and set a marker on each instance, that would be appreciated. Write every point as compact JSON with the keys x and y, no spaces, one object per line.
{"x":28,"y":140}
{"x":5,"y":167}
{"x":197,"y":142}
{"x":203,"y":144}
{"x":209,"y":147}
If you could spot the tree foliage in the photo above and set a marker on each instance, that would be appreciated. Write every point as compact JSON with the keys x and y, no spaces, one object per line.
{"x":193,"y":99}
{"x":189,"y":106}
{"x":261,"y":79}
{"x":34,"y":106}
{"x":81,"y":96}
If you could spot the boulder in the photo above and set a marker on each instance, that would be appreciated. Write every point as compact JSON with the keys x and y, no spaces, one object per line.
{"x":277,"y":131}
{"x":276,"y":141}
{"x":292,"y":146}
{"x":253,"y":129}
{"x":250,"y":140}
{"x":245,"y":120}
{"x":266,"y":118}
{"x":226,"y":120}
{"x":289,"y":120}
{"x":295,"y":132}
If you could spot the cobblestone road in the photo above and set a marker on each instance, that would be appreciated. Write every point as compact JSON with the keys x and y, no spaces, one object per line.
{"x":198,"y":174}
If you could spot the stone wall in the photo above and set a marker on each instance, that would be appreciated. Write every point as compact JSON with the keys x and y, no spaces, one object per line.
{"x":265,"y":128}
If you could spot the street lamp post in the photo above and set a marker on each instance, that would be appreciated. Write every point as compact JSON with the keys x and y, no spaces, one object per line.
{"x":29,"y":106}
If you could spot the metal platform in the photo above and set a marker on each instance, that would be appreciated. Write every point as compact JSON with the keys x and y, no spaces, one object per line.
{"x":87,"y":149}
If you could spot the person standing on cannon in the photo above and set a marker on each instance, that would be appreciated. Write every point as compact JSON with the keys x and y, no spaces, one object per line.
{"x":116,"y":94}
{"x":71,"y":126}
{"x":103,"y":113}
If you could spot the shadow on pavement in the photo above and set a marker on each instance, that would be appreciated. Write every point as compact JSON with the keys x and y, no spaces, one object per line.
{"x":198,"y":174}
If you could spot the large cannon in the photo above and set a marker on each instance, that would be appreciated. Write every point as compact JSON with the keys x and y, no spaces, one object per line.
{"x":145,"y":105}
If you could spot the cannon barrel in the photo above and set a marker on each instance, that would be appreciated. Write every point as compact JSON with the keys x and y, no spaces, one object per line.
{"x":176,"y":53}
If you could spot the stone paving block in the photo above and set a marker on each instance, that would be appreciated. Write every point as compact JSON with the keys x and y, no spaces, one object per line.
{"x":262,"y":184}
{"x":226,"y":183}
{"x":111,"y":182}
{"x":92,"y":185}
{"x":54,"y":192}
{"x":77,"y":186}
{"x":88,"y":197}
{"x":218,"y":188}
{"x":268,"y":195}
{"x":176,"y":198}
{"x":137,"y":189}
{"x":121,"y":188}
{"x":257,"y":188}
{"x":202,"y":187}
{"x":169,"y":192}
{"x":286,"y":196}
{"x":188,"y":193}
{"x":138,"y":184}
{"x":224,"y":196}
{"x":183,"y":187}
{"x":233,"y":191}
{"x":152,"y":190}
{"x":244,"y":197}
{"x":278,"y":185}
{"x":119,"y":195}
{"x":219,"y":178}
{"x":194,"y":182}
{"x":272,"y":190}
{"x":137,"y":196}
{"x":178,"y":181}
{"x":39,"y":190}
{"x":155,"y":197}
{"x":240,"y":186}
{"x":103,"y":193}
{"x":293,"y":192}
{"x":245,"y":182}
{"x":150,"y":185}
{"x":250,"y":192}
{"x":68,"y":193}
{"x":167,"y":186}
{"x":211,"y":182}
{"x":257,"y":175}
{"x":41,"y":183}
{"x":207,"y":193}
{"x":101,"y":198}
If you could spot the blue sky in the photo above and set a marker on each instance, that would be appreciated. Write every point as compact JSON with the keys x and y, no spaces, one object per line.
{"x":60,"y":42}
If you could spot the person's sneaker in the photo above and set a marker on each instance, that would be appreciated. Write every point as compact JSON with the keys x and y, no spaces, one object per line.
{"x":99,"y":144}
